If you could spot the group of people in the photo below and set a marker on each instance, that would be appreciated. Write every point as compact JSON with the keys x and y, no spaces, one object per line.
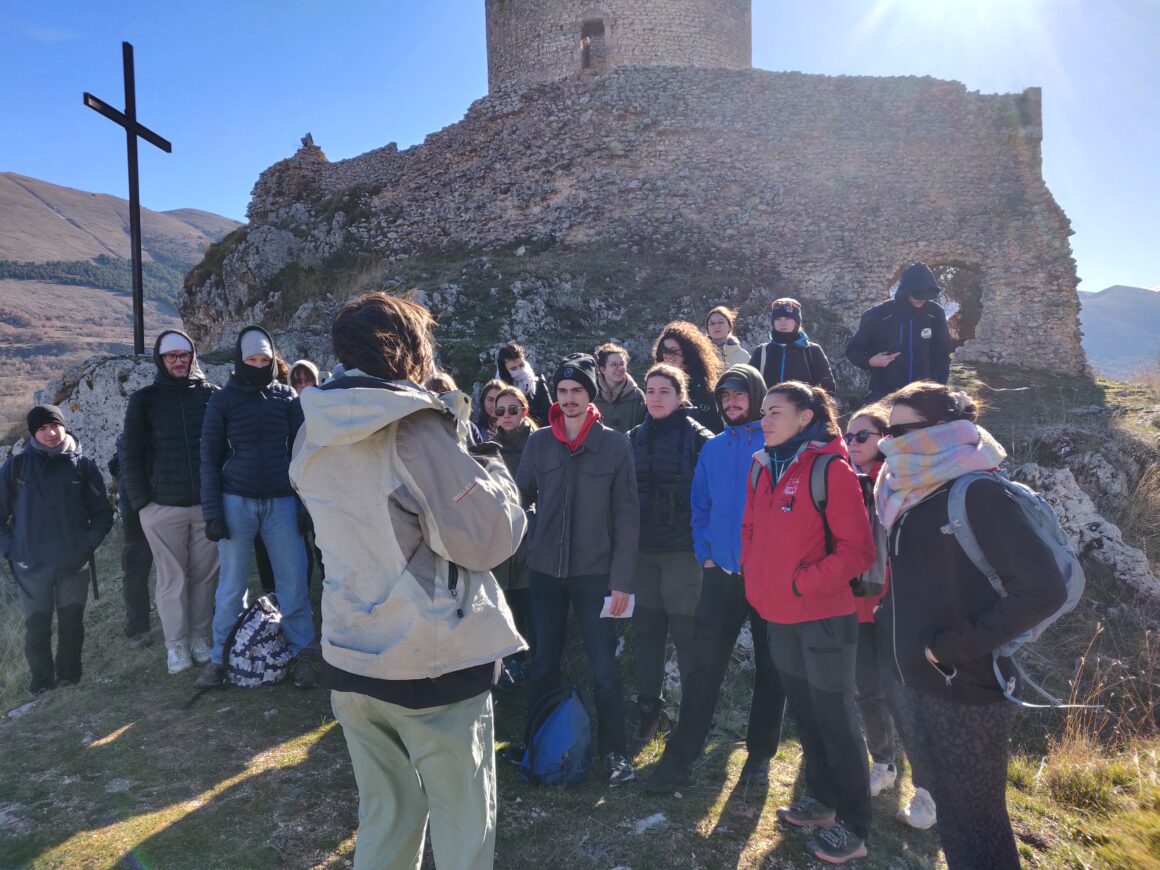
{"x":719,"y":490}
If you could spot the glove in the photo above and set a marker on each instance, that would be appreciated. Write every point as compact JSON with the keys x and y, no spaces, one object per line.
{"x":485,"y":452}
{"x":217,"y":530}
{"x":305,"y":524}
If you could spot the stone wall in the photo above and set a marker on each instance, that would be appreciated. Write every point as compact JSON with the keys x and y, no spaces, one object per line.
{"x":541,"y":40}
{"x":819,"y":187}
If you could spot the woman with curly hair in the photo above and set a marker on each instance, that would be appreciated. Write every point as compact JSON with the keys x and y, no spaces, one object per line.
{"x":683,"y":345}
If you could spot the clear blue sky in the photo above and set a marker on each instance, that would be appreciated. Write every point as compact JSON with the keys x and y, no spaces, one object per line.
{"x":235,"y":84}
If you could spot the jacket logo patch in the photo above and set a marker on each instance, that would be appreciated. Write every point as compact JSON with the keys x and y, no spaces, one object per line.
{"x":927,"y":332}
{"x":464,"y":492}
{"x":791,"y":486}
{"x":787,"y":502}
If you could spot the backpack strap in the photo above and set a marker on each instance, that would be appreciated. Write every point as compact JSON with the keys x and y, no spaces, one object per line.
{"x":961,"y":526}
{"x":764,"y":351}
{"x":820,"y":494}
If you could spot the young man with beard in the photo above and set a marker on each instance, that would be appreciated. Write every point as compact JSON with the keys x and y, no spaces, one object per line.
{"x":161,"y":475}
{"x":512,"y":367}
{"x":579,"y":476}
{"x":718,"y":504}
{"x":618,"y":398}
{"x":904,"y":339}
{"x":413,"y":621}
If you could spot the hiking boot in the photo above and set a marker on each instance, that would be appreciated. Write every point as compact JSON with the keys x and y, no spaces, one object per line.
{"x":37,"y":690}
{"x":202,"y":652}
{"x":920,"y":813}
{"x":667,"y":777}
{"x":141,"y":640}
{"x":837,"y":844}
{"x":755,"y":771}
{"x":307,"y":669}
{"x":177,"y":658}
{"x":807,"y":813}
{"x":618,"y":768}
{"x":882,"y":777}
{"x":212,"y":677}
{"x":513,"y":754}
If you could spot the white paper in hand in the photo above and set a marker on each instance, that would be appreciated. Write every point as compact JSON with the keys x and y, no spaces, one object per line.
{"x":606,"y":612}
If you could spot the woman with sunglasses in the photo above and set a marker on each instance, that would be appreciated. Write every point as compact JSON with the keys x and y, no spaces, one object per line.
{"x":944,"y":617}
{"x":797,"y":577}
{"x":866,"y":429}
{"x":511,"y":434}
{"x":665,"y":450}
{"x":682,"y":345}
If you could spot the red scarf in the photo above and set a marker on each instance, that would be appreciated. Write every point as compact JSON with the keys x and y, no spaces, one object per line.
{"x":556,"y":419}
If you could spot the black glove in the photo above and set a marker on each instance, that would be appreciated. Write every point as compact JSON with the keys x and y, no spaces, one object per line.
{"x":484,"y":451}
{"x":217,"y":530}
{"x":305,"y":524}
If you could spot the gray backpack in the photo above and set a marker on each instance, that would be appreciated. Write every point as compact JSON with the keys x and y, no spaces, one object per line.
{"x":1045,"y":523}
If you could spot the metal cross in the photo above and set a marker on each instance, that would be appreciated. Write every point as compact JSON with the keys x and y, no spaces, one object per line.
{"x":128,"y":120}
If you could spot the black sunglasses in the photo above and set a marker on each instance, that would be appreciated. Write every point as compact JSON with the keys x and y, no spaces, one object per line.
{"x":861,"y":437}
{"x":900,"y":429}
{"x":514,"y":410}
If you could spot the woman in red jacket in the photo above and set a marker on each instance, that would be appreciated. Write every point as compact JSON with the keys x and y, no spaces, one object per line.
{"x":800,"y":584}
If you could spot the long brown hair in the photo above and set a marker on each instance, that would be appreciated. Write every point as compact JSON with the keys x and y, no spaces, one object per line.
{"x":935,"y":402}
{"x":808,"y":397}
{"x":701,"y":361}
{"x":385,"y":336}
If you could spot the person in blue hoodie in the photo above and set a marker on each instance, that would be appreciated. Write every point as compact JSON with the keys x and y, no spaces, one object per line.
{"x":789,"y":355}
{"x":54,"y":512}
{"x":718,"y":503}
{"x":904,"y":339}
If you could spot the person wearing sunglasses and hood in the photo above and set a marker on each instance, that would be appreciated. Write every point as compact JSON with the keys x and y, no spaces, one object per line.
{"x":246,"y":439}
{"x":789,"y":355}
{"x":904,"y":339}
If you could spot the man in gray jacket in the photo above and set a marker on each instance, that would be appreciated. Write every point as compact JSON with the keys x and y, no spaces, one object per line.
{"x":413,"y":622}
{"x":579,"y":476}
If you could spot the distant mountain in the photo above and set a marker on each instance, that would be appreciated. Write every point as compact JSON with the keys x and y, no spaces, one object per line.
{"x":65,"y":278}
{"x":1121,"y":329}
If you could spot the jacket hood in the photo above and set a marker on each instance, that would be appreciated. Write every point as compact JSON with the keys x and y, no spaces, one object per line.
{"x":350,"y":409}
{"x":604,"y":392}
{"x":163,"y":376}
{"x":306,"y":364}
{"x":917,"y":282}
{"x":249,"y":375}
{"x":753,"y":380}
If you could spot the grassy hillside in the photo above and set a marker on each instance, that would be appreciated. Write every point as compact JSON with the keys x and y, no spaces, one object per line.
{"x":122,"y":771}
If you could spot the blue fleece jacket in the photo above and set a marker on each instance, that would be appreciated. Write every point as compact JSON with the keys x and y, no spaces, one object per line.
{"x":718,"y":497}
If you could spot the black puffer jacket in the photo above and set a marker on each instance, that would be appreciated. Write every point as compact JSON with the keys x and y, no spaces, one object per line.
{"x":665,"y":454}
{"x":246,"y":440}
{"x":939,"y":599}
{"x":54,"y":510}
{"x":793,"y":357}
{"x":161,"y":446}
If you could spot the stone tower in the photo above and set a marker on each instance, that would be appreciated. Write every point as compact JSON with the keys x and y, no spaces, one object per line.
{"x":543,"y":40}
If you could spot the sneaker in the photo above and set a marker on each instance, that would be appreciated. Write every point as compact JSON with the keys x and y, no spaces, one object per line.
{"x":513,"y":754}
{"x":667,"y":777}
{"x":212,"y":677}
{"x":807,"y":813}
{"x":307,"y":669}
{"x":177,"y":658}
{"x":755,"y":771}
{"x":619,"y":769}
{"x":882,"y":777}
{"x":920,"y":813}
{"x":837,"y":844}
{"x":202,"y":652}
{"x":141,"y":640}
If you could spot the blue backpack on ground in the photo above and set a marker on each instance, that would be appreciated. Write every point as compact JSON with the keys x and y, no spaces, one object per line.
{"x":256,"y":652}
{"x":1043,"y":520}
{"x":558,"y":740}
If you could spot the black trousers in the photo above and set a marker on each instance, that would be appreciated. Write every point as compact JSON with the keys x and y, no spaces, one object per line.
{"x":136,"y":560}
{"x":962,"y":749}
{"x":816,"y":661}
{"x":40,"y":596}
{"x":721,"y":613}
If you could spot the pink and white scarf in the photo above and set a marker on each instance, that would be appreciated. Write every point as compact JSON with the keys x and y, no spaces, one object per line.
{"x":920,"y":462}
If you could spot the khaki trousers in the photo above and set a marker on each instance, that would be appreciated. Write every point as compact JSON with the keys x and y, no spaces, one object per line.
{"x":411,"y":765}
{"x":187,"y":571}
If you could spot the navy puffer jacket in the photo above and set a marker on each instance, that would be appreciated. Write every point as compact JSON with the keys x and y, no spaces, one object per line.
{"x":161,"y":447}
{"x":247,"y":436}
{"x":665,"y":455}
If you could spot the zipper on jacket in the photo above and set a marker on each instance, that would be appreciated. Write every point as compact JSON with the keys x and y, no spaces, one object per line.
{"x":188,"y":460}
{"x":564,"y":525}
{"x":452,"y":583}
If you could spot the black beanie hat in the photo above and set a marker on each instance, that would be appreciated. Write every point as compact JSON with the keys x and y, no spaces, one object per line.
{"x":918,"y":282}
{"x":786,"y":307}
{"x":42,"y":414}
{"x":579,"y":367}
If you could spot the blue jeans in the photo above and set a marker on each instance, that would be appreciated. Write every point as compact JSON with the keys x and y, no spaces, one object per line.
{"x":551,"y":597}
{"x":276,"y":520}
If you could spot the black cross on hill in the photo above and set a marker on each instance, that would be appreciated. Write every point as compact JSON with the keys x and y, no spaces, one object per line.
{"x":128,"y":120}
